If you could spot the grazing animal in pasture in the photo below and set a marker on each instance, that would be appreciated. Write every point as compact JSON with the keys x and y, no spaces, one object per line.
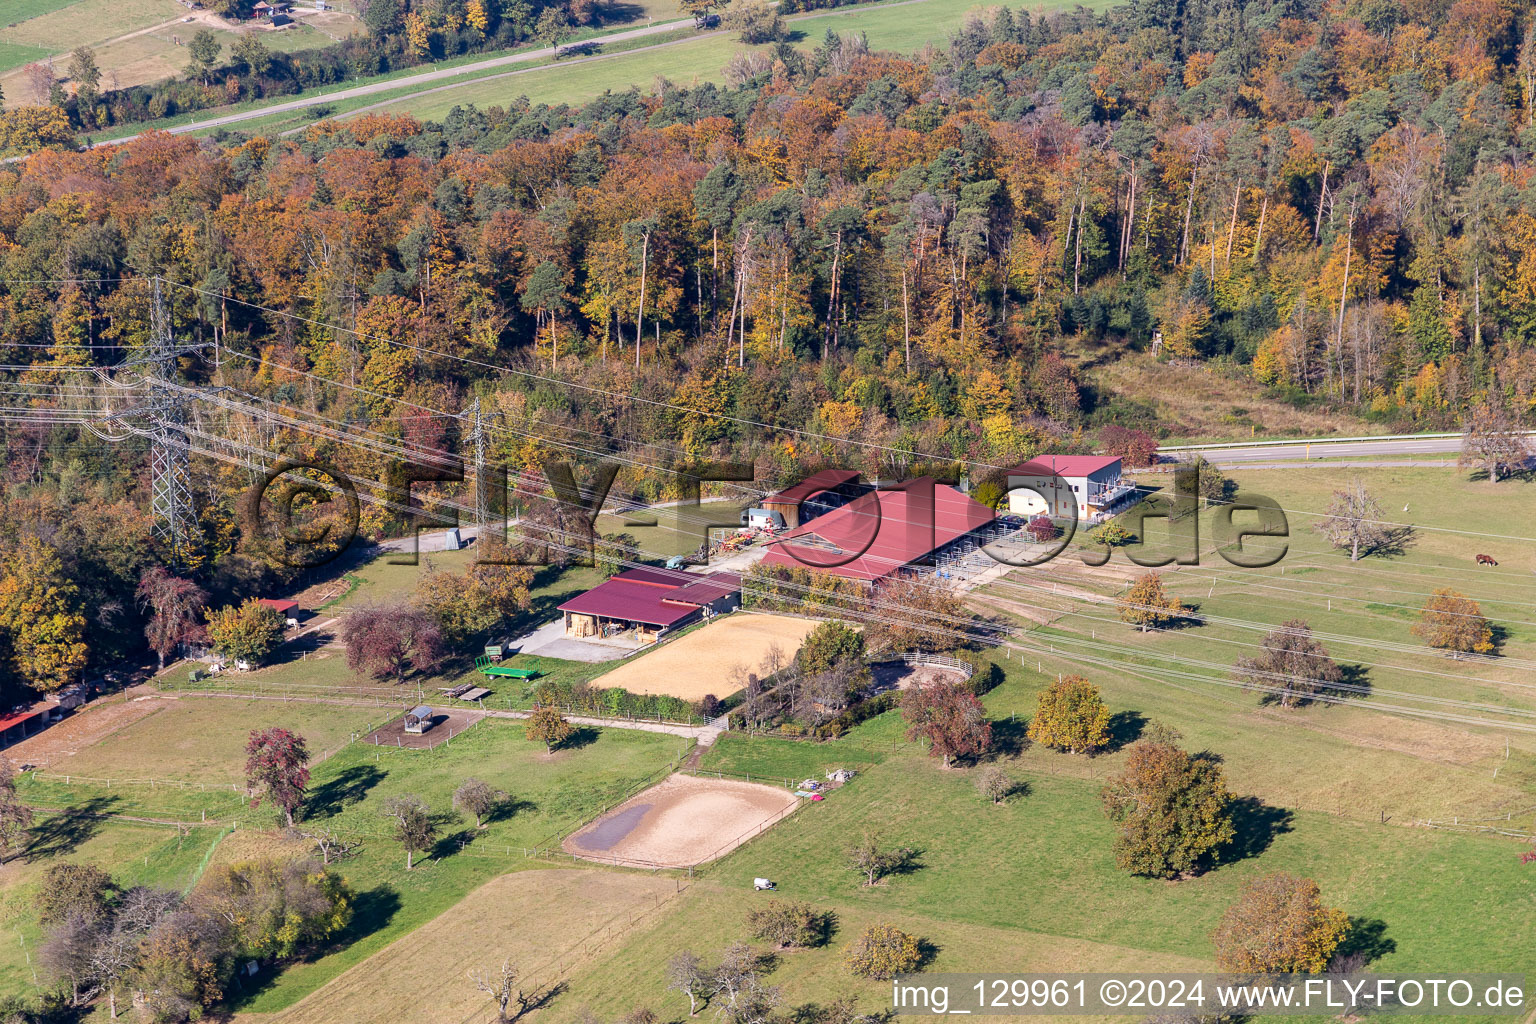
{"x":1486,"y":560}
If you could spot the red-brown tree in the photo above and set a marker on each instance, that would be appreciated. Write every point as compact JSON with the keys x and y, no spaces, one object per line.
{"x":277,"y":761}
{"x":950,"y":719}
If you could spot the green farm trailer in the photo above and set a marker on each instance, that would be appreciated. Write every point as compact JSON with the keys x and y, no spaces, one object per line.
{"x":483,"y":663}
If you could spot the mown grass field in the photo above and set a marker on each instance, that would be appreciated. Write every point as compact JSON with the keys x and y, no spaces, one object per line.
{"x":202,"y":739}
{"x":36,"y":30}
{"x":15,"y":55}
{"x":674,"y":531}
{"x":60,"y":27}
{"x":18,"y":11}
{"x":1359,"y":757}
{"x":161,"y":54}
{"x":903,"y":26}
{"x":543,"y":920}
{"x":710,"y":916}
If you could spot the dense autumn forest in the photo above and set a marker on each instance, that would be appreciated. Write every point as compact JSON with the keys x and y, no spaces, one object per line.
{"x":928,"y":255}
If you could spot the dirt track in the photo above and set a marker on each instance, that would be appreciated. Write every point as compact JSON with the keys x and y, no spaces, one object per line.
{"x":681,"y":821}
{"x":85,"y":727}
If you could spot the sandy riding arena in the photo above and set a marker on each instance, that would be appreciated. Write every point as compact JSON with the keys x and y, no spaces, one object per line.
{"x":681,"y":821}
{"x":697,"y":663}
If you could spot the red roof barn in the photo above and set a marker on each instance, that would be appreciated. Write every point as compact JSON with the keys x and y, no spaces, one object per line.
{"x":649,"y":602}
{"x":883,"y":532}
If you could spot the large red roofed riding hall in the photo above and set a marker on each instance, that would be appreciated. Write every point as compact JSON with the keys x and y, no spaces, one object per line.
{"x":884,"y":531}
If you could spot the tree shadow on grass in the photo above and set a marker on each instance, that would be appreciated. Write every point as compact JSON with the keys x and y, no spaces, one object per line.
{"x":1365,"y":943}
{"x":450,"y":843}
{"x":1354,"y":681}
{"x":1499,"y":636}
{"x":907,"y":865}
{"x":583,"y":736}
{"x":63,"y":833}
{"x":614,"y":11}
{"x":372,"y":909}
{"x":1395,"y":542}
{"x":1255,"y":825}
{"x":538,"y":1000}
{"x":350,"y":787}
{"x":300,"y":646}
{"x":509,"y":808}
{"x":1189,"y":618}
{"x":1125,"y":728}
{"x":451,"y":838}
{"x":1010,"y":738}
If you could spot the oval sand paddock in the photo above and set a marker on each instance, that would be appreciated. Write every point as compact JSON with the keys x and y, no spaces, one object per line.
{"x":681,"y":821}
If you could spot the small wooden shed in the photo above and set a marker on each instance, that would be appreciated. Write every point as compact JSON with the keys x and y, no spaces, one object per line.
{"x":418,"y":720}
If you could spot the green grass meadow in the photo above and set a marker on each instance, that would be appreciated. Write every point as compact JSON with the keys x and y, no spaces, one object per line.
{"x":14,"y":55}
{"x":18,"y":11}
{"x":901,"y":26}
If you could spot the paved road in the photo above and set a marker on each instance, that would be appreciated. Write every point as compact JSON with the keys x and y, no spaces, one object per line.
{"x":1293,"y":452}
{"x":407,"y":81}
{"x":1317,"y":463}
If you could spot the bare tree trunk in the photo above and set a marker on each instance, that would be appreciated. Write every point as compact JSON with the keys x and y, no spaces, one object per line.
{"x":741,"y":340}
{"x":1127,"y":237}
{"x":1189,"y":209}
{"x":645,"y":253}
{"x":1477,"y":305}
{"x":1317,"y":226}
{"x":1349,"y":249}
{"x":1213,"y":255}
{"x":837,"y":256}
{"x":1258,"y":239}
{"x":1077,"y":262}
{"x":784,"y":305}
{"x":1232,"y":226}
{"x":906,"y":316}
{"x":730,"y":323}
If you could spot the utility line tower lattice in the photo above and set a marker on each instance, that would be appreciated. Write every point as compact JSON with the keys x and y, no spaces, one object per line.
{"x":175,"y":516}
{"x":482,"y":485}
